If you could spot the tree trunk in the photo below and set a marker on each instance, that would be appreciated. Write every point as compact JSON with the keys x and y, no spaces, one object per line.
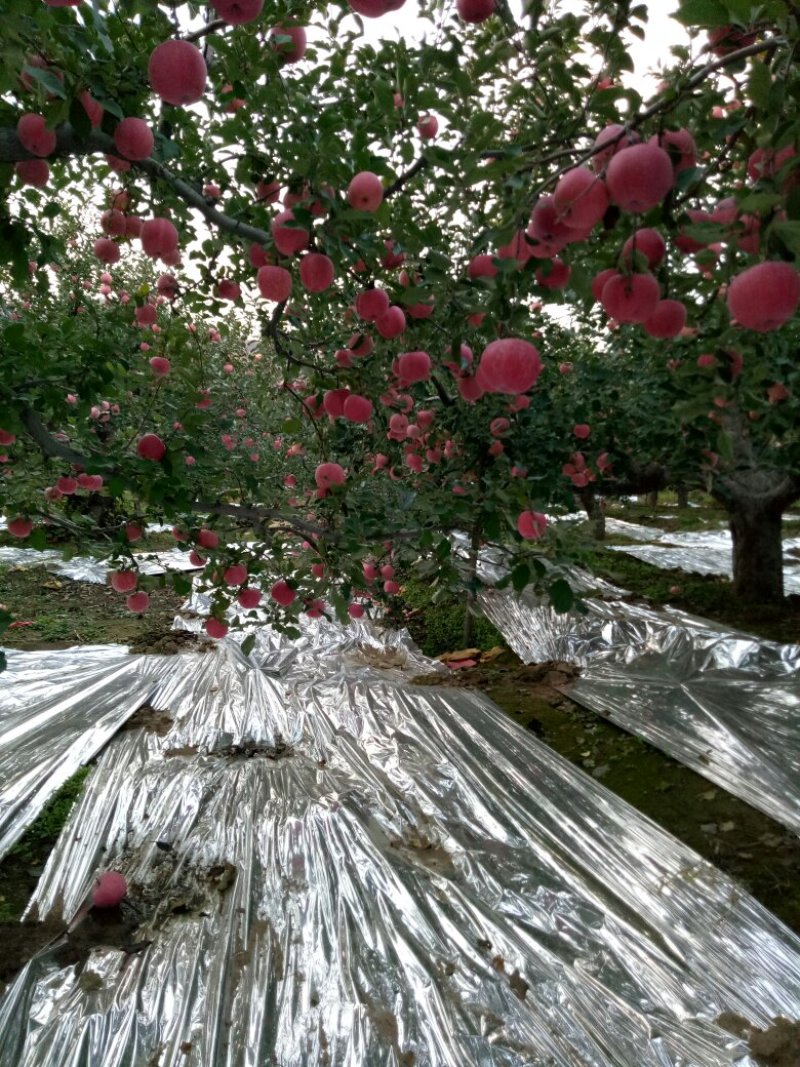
{"x":683,"y":496}
{"x":757,"y":552}
{"x":652,"y":498}
{"x":595,"y":513}
{"x":468,"y":632}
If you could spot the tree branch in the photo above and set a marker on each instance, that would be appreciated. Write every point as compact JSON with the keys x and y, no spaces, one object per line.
{"x":412,"y":172}
{"x":48,"y":444}
{"x":55,"y":449}
{"x":211,"y":27}
{"x":656,"y":107}
{"x":260,"y":515}
{"x":69,"y":144}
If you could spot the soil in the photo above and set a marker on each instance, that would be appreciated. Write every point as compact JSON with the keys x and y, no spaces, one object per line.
{"x":761,"y":854}
{"x":777,"y":1046}
{"x":150,"y":719}
{"x":63,"y":613}
{"x":108,"y":927}
{"x":167,"y":642}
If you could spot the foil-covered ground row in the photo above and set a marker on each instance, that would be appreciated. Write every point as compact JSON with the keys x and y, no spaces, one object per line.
{"x":87,"y":569}
{"x":724,"y":703}
{"x":697,"y":551}
{"x":331,"y":866}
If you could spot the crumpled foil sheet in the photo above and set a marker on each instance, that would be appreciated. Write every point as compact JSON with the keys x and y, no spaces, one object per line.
{"x":696,"y":551}
{"x":324,"y":646}
{"x":86,"y":569}
{"x":725,"y":704}
{"x":59,"y":708}
{"x":57,"y":711}
{"x":336,"y":871}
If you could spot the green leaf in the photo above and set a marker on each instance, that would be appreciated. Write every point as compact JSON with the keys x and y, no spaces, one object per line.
{"x":38,"y":540}
{"x":520,"y":576}
{"x":79,"y":119}
{"x":181,"y":584}
{"x":561,"y":596}
{"x":789,"y":233}
{"x":759,"y":84}
{"x":46,"y":78}
{"x":703,"y":13}
{"x":248,"y":644}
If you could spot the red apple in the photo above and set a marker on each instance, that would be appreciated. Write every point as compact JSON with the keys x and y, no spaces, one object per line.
{"x":238,"y":12}
{"x":20,"y":527}
{"x":639,"y":177}
{"x":177,"y":72}
{"x":151,"y":447}
{"x":215,"y":628}
{"x":283,"y":593}
{"x":365,"y":191}
{"x":275,"y":283}
{"x":124,"y":581}
{"x":316,"y":272}
{"x":34,"y":135}
{"x":508,"y":366}
{"x":134,"y":139}
{"x":110,"y":889}
{"x":764,"y":297}
{"x":138,"y":602}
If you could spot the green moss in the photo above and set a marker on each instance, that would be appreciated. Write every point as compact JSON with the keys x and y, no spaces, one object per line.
{"x":21,"y":866}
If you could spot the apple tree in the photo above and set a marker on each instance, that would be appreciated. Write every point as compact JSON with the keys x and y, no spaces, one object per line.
{"x":412,"y":232}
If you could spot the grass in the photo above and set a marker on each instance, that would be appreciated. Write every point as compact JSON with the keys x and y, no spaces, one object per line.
{"x":21,"y":867}
{"x":439,"y":627}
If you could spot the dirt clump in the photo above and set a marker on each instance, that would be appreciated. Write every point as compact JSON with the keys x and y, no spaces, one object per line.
{"x":169,"y":643}
{"x":420,"y":849}
{"x":776,"y":1046}
{"x":250,"y":749}
{"x":148,"y":718}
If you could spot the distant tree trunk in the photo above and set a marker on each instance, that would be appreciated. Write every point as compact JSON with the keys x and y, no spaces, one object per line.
{"x":652,"y":498}
{"x":683,"y":496}
{"x":468,"y":632}
{"x":755,"y":499}
{"x":595,"y":513}
{"x":757,"y":552}
{"x":469,"y":623}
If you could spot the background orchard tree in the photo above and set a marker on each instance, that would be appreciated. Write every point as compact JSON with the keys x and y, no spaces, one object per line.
{"x":388,"y":218}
